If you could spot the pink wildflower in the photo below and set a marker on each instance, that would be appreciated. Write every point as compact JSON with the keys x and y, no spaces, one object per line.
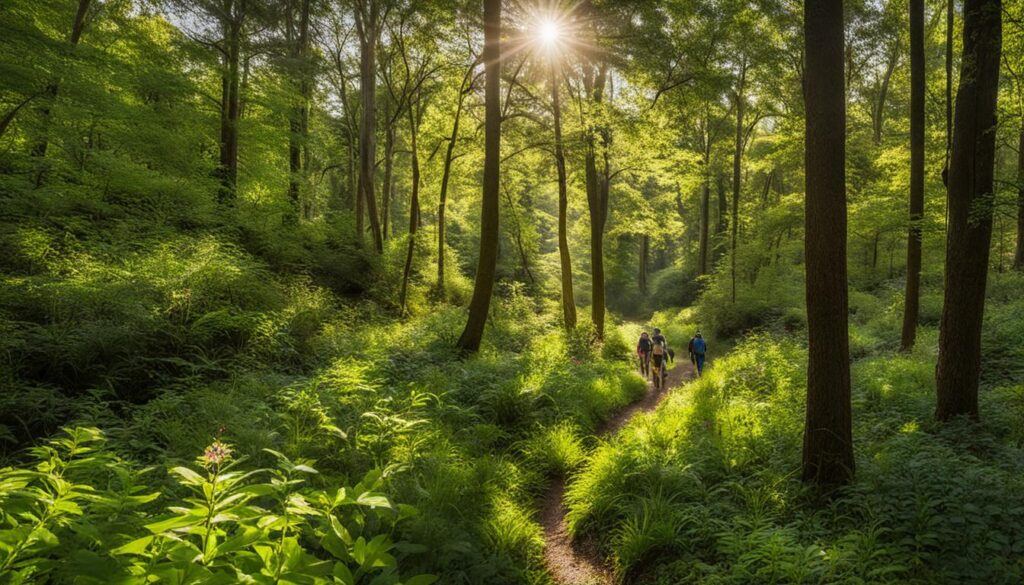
{"x":216,"y":454}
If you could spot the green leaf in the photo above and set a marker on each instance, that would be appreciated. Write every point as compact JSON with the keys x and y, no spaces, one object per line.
{"x":190,"y":477}
{"x":373,"y":500}
{"x":422,"y":580}
{"x":343,"y":574}
{"x":174,"y":522}
{"x":135,"y":547}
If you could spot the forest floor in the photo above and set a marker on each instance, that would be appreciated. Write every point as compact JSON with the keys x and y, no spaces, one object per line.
{"x":580,"y":563}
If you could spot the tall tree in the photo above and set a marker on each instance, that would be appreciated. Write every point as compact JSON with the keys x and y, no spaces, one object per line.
{"x":912,"y":295}
{"x":568,"y":296}
{"x":707,"y":139}
{"x":233,"y":14}
{"x":53,"y":88}
{"x":442,"y":206}
{"x":415,"y":114}
{"x":297,"y":22}
{"x":950,"y":20}
{"x":740,"y":98}
{"x":1018,"y":256}
{"x":971,"y":175}
{"x":878,"y":105}
{"x":487,"y":263}
{"x":1012,"y":52}
{"x":595,"y":77}
{"x":828,"y":441}
{"x":369,"y":16}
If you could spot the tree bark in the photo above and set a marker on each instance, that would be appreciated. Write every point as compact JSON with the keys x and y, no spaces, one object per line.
{"x":52,"y":90}
{"x":705,"y":204}
{"x":736,"y":170}
{"x":950,"y":14}
{"x":705,"y":215}
{"x":971,"y":173}
{"x":388,"y":186}
{"x":298,"y":123}
{"x":487,"y":263}
{"x":568,"y":295}
{"x":367,"y":16}
{"x":917,"y":91}
{"x":414,"y":205}
{"x":645,"y":252}
{"x":442,"y":205}
{"x":828,"y":442}
{"x":597,"y":199}
{"x":524,"y":258}
{"x":878,"y":109}
{"x":1018,"y":257}
{"x":351,"y":132}
{"x":9,"y":116}
{"x":230,"y":107}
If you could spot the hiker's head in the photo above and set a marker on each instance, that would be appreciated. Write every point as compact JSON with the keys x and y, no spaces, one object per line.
{"x":644,"y":335}
{"x":698,"y":334}
{"x":657,"y":331}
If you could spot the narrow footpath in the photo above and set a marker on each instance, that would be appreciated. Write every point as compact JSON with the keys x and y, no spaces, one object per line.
{"x":580,"y":563}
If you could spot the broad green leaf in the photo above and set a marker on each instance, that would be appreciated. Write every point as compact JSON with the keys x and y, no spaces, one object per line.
{"x":135,"y":547}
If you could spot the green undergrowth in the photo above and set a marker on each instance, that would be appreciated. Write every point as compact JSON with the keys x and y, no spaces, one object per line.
{"x":707,"y":490}
{"x":147,"y":358}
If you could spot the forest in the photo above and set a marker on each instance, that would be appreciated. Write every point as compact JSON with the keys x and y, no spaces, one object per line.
{"x":403,"y":292}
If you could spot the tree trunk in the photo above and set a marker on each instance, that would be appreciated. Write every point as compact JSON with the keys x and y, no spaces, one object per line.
{"x":950,"y":14}
{"x":736,"y":172}
{"x":568,"y":295}
{"x":414,"y":205}
{"x":828,"y":442}
{"x":9,"y":116}
{"x":524,"y":258}
{"x":369,"y":29}
{"x":294,"y":161}
{"x":351,"y":132}
{"x":874,"y":251}
{"x":487,"y":263}
{"x":446,"y":175}
{"x":917,"y":88}
{"x":1018,"y":258}
{"x":388,"y":186}
{"x":230,"y":108}
{"x":971,"y":173}
{"x":645,"y":253}
{"x":705,"y":215}
{"x":296,"y":36}
{"x":597,"y":200}
{"x":39,"y":150}
{"x":878,"y":109}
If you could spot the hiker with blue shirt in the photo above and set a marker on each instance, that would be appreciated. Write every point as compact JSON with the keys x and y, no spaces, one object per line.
{"x":698,"y":347}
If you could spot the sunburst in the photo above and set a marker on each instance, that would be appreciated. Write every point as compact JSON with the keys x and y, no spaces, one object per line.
{"x":555,"y":27}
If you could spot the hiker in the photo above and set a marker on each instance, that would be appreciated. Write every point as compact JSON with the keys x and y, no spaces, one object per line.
{"x":659,"y":357}
{"x":659,"y":338}
{"x":643,"y":350}
{"x":697,"y":348}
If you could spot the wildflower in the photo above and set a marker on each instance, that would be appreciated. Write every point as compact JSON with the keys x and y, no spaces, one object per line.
{"x":216,"y":454}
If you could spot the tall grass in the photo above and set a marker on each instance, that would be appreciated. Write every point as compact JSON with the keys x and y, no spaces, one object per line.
{"x":707,"y":490}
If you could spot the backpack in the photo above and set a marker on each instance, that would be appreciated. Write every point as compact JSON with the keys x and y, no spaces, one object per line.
{"x":699,"y":347}
{"x":659,"y":349}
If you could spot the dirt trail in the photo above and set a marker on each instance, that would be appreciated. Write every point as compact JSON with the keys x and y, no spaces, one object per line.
{"x":580,"y":563}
